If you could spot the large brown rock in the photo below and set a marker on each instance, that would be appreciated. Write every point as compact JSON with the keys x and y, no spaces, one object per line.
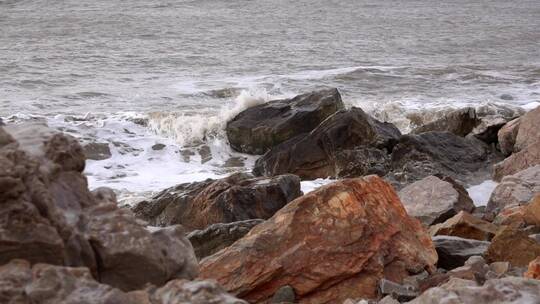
{"x":514,"y":246}
{"x":48,"y":215}
{"x":466,"y":226}
{"x":520,"y":216}
{"x":460,"y":122}
{"x":334,"y":243}
{"x":528,"y":132}
{"x":434,"y":199}
{"x":259,"y":128}
{"x":507,"y":136}
{"x":514,"y":190}
{"x":526,"y":158}
{"x":316,"y":154}
{"x":237,"y":197}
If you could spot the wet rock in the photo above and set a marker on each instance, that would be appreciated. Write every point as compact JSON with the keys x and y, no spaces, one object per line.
{"x":533,"y":272}
{"x":158,"y":147}
{"x":504,"y":290}
{"x":492,"y":117}
{"x":235,"y":198}
{"x":97,"y":151}
{"x":433,"y":200}
{"x":466,"y":226}
{"x":507,"y":136}
{"x":233,"y":162}
{"x":313,"y":155}
{"x":259,"y":128}
{"x":205,"y":153}
{"x":526,"y":158}
{"x":218,"y":236}
{"x":513,"y":246}
{"x":344,"y":236}
{"x":418,"y":156}
{"x":361,"y":161}
{"x":284,"y":294}
{"x":2,"y":122}
{"x":186,"y":155}
{"x":459,"y":122}
{"x":454,"y":251}
{"x":514,"y":190}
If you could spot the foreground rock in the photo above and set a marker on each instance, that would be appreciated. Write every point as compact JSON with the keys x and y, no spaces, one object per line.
{"x":235,"y":198}
{"x":505,"y":290}
{"x":43,"y":283}
{"x":48,"y":216}
{"x":454,"y":251}
{"x":218,"y":236}
{"x":514,"y":190}
{"x":318,"y":154}
{"x":466,"y":226}
{"x":334,"y":243}
{"x":433,"y":200}
{"x":418,"y":156}
{"x":261,"y":127}
{"x":507,"y":136}
{"x":513,"y":246}
{"x":459,"y":122}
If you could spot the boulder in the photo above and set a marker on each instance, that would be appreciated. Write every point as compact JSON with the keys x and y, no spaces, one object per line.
{"x":48,"y":215}
{"x":218,"y":236}
{"x":533,"y":272}
{"x":97,"y":151}
{"x":526,"y":158}
{"x":237,"y":197}
{"x":259,"y":128}
{"x":507,"y":136}
{"x":313,"y":155}
{"x":528,"y":130}
{"x":329,"y":245}
{"x":459,"y":122}
{"x":520,"y":216}
{"x":434,"y":199}
{"x":504,"y":290}
{"x":454,"y":251}
{"x":418,"y":156}
{"x":491,"y":118}
{"x":514,"y":190}
{"x":513,"y":246}
{"x":466,"y":226}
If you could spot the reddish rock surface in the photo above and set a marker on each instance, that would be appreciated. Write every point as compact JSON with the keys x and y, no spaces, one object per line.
{"x":513,"y":246}
{"x":466,"y":226}
{"x":533,"y":272}
{"x":329,"y":245}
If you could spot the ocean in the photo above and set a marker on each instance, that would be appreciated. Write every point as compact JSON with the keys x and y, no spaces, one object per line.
{"x":134,"y":74}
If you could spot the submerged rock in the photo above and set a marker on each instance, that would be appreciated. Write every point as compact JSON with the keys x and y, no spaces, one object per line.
{"x":334,"y":243}
{"x":316,"y":154}
{"x":97,"y":151}
{"x":235,"y":198}
{"x":433,"y":200}
{"x":259,"y":128}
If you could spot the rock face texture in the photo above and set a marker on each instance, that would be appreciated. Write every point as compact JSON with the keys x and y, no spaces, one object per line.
{"x":459,"y":122}
{"x":418,"y":156}
{"x":454,"y":251}
{"x":533,"y":272}
{"x":466,"y":226}
{"x":97,"y":151}
{"x":334,"y":243}
{"x":235,"y":198}
{"x":526,"y":146}
{"x":513,"y":246}
{"x":433,"y":200}
{"x":259,"y":128}
{"x":514,"y":190}
{"x":47,"y":215}
{"x":315,"y":154}
{"x":520,"y":216}
{"x":218,"y":236}
{"x":507,"y":136}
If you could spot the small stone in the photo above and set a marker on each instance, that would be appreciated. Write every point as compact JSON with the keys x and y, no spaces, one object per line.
{"x":97,"y":151}
{"x":158,"y":147}
{"x":284,"y":294}
{"x":398,"y":291}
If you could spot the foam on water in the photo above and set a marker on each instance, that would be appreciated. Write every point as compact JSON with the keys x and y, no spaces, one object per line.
{"x":480,"y":193}
{"x":309,"y":186}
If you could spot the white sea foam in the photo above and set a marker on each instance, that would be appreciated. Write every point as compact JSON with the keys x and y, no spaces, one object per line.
{"x":308,"y":186}
{"x":480,"y":193}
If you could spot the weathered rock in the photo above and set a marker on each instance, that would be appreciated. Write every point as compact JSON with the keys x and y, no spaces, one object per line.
{"x":528,"y":130}
{"x":334,"y":243}
{"x":466,"y":226}
{"x":526,"y":158}
{"x":505,"y":290}
{"x":218,"y":236}
{"x":48,"y":215}
{"x":398,"y":291}
{"x":237,"y":197}
{"x":313,"y":155}
{"x":514,"y":190}
{"x":284,"y":294}
{"x":459,"y":122}
{"x":97,"y":151}
{"x":520,"y":216}
{"x":259,"y":128}
{"x":192,"y":292}
{"x":507,"y":136}
{"x":513,"y":246}
{"x":454,"y":251}
{"x":533,"y":272}
{"x":433,"y":200}
{"x":418,"y":156}
{"x":492,"y":117}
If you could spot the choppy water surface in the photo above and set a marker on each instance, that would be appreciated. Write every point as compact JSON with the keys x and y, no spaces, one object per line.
{"x":90,"y":68}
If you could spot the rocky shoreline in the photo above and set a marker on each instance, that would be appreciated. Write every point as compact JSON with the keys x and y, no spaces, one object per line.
{"x":397,"y":226}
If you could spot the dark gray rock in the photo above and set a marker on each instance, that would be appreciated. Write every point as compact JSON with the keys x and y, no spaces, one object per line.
{"x":218,"y":236}
{"x":397,"y":291}
{"x":158,"y":147}
{"x":459,"y":122}
{"x":316,"y":154}
{"x":455,"y":251}
{"x":235,"y":198}
{"x":284,"y":295}
{"x":259,"y":128}
{"x":97,"y":151}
